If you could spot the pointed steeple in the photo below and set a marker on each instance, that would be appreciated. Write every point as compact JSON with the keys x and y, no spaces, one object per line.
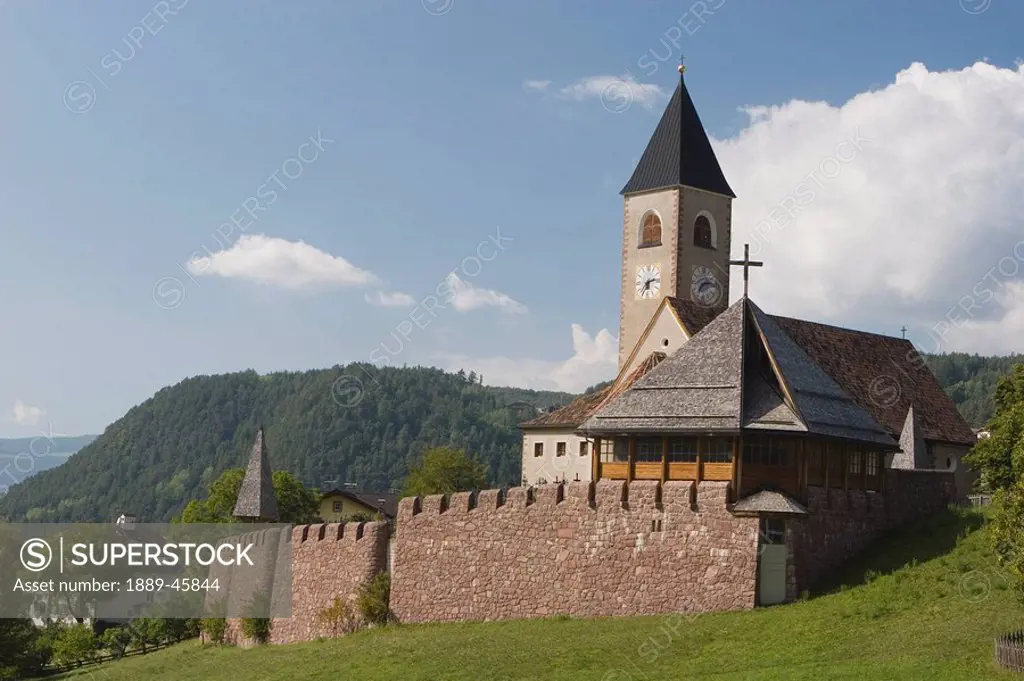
{"x":679,"y":152}
{"x":256,"y":498}
{"x":914,"y":451}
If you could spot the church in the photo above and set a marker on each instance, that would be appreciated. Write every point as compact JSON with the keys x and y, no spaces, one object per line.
{"x":776,"y":407}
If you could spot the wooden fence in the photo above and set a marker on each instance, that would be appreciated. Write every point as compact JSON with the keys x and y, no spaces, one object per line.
{"x":1010,"y":651}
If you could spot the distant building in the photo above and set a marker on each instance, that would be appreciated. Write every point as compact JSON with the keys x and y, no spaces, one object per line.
{"x":338,"y":505}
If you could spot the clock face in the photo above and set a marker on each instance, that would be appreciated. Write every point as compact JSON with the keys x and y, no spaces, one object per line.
{"x":648,"y":281}
{"x":704,"y":286}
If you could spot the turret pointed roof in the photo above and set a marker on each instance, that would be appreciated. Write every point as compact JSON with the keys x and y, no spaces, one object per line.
{"x":679,"y":152}
{"x":913,"y":450}
{"x":256,"y":498}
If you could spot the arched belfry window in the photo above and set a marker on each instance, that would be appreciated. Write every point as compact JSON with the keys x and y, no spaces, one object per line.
{"x":650,"y":229}
{"x":704,"y":232}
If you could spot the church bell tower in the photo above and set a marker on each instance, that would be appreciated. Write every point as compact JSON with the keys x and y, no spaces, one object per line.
{"x":677,"y":224}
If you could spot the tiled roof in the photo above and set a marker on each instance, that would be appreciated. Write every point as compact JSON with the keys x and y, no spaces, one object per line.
{"x":885,"y":375}
{"x":694,"y":316}
{"x":742,"y":371}
{"x":256,"y":498}
{"x":384,"y":503}
{"x":767,"y":501}
{"x":576,"y":412}
{"x":571,"y":414}
{"x":679,"y":153}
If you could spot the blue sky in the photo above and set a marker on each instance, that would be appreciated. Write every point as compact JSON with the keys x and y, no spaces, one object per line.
{"x":440,"y":122}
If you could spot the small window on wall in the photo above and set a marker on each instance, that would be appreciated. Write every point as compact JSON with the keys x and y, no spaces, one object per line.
{"x":774,"y":531}
{"x":560,"y":449}
{"x":703,"y":232}
{"x":607,"y":451}
{"x":337,"y":507}
{"x":538,"y":449}
{"x":621,"y":450}
{"x":763,"y":451}
{"x":855,"y":462}
{"x":719,"y":450}
{"x":583,"y":447}
{"x":650,"y":230}
{"x":682,"y":450}
{"x":648,"y":449}
{"x":871,"y":463}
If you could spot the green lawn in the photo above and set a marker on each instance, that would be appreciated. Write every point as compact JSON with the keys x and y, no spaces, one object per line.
{"x":899,"y":619}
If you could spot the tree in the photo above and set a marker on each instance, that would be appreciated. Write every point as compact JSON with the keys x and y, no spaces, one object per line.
{"x":75,"y":646}
{"x":1000,"y":459}
{"x":296,"y":503}
{"x":20,"y":651}
{"x":445,"y":470}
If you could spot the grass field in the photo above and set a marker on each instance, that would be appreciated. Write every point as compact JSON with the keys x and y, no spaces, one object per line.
{"x":896,"y":618}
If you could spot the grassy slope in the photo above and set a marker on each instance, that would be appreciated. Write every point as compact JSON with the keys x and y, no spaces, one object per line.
{"x":930,"y":621}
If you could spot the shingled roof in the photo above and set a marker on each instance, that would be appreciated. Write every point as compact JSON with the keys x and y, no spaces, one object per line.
{"x":886,"y":376}
{"x":256,"y":498}
{"x":694,"y":316}
{"x":577,"y":411}
{"x":679,"y":153}
{"x":740,"y":372}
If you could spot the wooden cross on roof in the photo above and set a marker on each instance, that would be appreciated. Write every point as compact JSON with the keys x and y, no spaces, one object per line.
{"x":746,"y":264}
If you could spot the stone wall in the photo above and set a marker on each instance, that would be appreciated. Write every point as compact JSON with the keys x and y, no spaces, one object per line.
{"x":579,"y":549}
{"x":842,"y":524}
{"x":328,"y":561}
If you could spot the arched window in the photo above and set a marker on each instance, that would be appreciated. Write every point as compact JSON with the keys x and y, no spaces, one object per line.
{"x":703,"y":232}
{"x":650,"y":230}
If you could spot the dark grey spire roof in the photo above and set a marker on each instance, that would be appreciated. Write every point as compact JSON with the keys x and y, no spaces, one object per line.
{"x":741,"y":372}
{"x":256,"y":498}
{"x":679,"y":153}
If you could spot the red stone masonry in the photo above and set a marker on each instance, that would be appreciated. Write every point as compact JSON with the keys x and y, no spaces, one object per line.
{"x":579,"y":549}
{"x":328,"y":561}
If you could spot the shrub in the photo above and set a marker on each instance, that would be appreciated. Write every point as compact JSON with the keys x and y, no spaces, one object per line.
{"x":116,"y":640}
{"x":338,"y":617}
{"x":374,"y":599}
{"x":256,"y":628}
{"x":215,"y":628}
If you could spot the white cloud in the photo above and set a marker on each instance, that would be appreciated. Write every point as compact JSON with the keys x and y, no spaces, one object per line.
{"x":26,"y":414}
{"x":900,"y":206}
{"x":616,"y":89}
{"x":465,"y":297}
{"x":288,"y":264}
{"x":389,"y":299}
{"x":594,"y":359}
{"x":616,"y":93}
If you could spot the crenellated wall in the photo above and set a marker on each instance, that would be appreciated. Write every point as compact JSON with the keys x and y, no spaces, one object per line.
{"x":328,"y":561}
{"x":580,"y":549}
{"x":842,"y":524}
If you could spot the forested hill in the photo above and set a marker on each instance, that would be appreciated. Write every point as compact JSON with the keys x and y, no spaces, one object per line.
{"x":970,"y":380}
{"x":358,"y":424}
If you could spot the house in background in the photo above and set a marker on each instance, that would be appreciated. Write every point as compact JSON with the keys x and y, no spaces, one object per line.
{"x":339,"y":505}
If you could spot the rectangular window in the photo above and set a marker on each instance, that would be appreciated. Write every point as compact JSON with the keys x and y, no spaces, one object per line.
{"x":774,"y":531}
{"x":621,"y":449}
{"x":607,"y":450}
{"x":682,"y":450}
{"x":560,"y":449}
{"x":871,"y":463}
{"x":337,"y":507}
{"x":719,"y":450}
{"x":855,"y":463}
{"x":584,"y":447}
{"x":648,"y":449}
{"x":538,"y":449}
{"x":762,"y":451}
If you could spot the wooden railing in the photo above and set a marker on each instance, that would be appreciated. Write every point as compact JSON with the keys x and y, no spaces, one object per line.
{"x":1010,"y":651}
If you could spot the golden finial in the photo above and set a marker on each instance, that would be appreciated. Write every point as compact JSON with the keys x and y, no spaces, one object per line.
{"x":682,"y":66}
